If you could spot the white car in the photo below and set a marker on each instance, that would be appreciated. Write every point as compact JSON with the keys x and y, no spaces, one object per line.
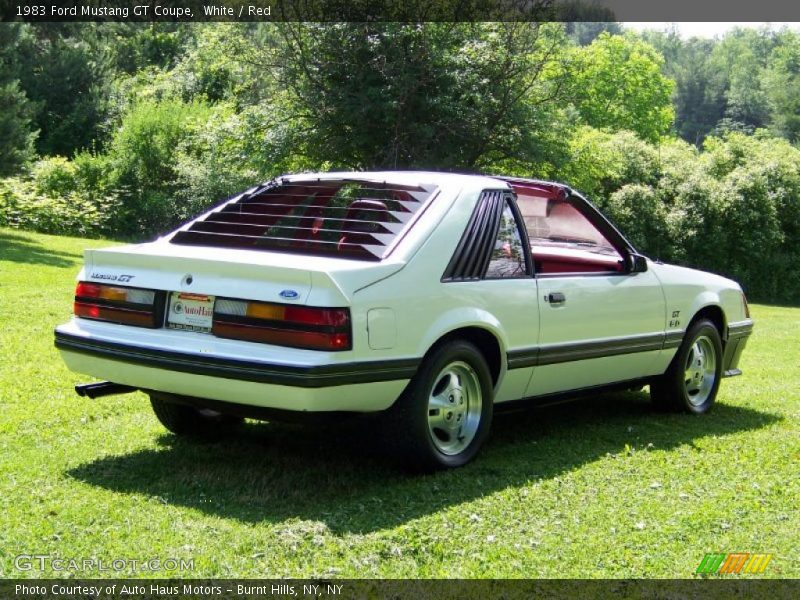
{"x":428,"y":297}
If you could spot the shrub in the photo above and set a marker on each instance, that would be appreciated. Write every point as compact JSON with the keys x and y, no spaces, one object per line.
{"x":215,"y":163}
{"x":642,"y":215}
{"x":23,"y":206}
{"x":733,"y":209}
{"x":55,"y":176}
{"x":143,"y":155}
{"x":61,"y":197}
{"x":600,"y":163}
{"x":749,"y":233}
{"x":93,"y":173}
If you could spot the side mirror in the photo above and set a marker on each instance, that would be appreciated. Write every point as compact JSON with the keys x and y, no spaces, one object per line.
{"x":636,"y":263}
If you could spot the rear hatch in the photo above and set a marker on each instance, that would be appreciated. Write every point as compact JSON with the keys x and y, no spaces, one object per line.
{"x":280,"y":299}
{"x":303,"y":241}
{"x":220,"y":272}
{"x":278,"y":263}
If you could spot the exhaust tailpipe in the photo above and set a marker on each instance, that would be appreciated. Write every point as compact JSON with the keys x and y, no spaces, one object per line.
{"x":102,"y":388}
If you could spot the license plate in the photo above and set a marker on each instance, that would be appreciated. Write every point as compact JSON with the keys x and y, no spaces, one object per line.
{"x":193,"y":312}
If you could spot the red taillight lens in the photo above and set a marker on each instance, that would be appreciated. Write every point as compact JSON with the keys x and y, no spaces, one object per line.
{"x":128,"y":306}
{"x":283,"y":325}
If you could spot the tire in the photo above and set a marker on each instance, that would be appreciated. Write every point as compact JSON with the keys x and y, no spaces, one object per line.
{"x":444,"y":415}
{"x":188,"y":421}
{"x":692,"y":380}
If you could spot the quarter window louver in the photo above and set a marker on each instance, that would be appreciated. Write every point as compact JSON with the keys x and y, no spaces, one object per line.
{"x":473,"y":253}
{"x":341,"y":218}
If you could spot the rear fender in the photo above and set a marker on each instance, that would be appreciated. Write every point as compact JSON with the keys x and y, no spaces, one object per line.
{"x":460,"y":318}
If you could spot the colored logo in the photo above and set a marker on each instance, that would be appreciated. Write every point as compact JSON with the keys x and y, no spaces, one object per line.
{"x":289,"y":294}
{"x":733,"y":563}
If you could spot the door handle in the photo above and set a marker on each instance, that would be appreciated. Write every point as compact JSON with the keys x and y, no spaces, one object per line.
{"x":556,"y":298}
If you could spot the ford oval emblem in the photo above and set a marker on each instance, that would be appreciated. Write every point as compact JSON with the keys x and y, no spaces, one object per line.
{"x":289,"y":294}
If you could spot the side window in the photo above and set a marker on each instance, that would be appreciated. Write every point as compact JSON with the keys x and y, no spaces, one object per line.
{"x":563,"y":240}
{"x":508,"y":256}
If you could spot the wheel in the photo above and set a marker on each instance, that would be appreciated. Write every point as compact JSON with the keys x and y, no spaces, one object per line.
{"x":182,"y":419}
{"x":443,"y":417}
{"x":691,"y":382}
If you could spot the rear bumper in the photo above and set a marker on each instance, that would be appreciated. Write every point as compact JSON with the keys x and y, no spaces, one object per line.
{"x":735,"y":342}
{"x":357,"y":386}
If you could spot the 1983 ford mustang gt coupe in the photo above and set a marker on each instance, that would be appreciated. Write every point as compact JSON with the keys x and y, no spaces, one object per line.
{"x":426,"y":297}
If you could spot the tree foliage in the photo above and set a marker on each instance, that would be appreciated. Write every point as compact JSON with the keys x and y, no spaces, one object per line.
{"x":140,"y":126}
{"x":782,"y":88}
{"x":733,"y":208}
{"x":742,"y":82}
{"x":64,"y":77}
{"x":143,"y":155}
{"x":404,"y":95}
{"x":16,"y":135}
{"x":621,"y":87}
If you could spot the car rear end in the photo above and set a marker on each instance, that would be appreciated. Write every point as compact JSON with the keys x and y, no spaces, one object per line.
{"x":254,"y":303}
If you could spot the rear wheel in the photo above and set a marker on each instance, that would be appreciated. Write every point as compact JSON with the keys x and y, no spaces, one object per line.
{"x":692,"y":380}
{"x":444,"y":415}
{"x":182,"y":419}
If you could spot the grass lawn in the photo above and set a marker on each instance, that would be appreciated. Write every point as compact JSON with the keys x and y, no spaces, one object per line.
{"x":600,"y":488}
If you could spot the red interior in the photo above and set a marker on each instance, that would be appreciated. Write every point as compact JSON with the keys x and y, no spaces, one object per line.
{"x":566,"y":260}
{"x":564,"y":220}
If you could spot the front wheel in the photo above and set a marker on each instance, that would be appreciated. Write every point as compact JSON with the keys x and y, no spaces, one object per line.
{"x":444,"y":415}
{"x":691,"y":382}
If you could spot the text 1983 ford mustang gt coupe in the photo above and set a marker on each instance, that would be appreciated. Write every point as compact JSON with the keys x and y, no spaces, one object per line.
{"x":428,"y":297}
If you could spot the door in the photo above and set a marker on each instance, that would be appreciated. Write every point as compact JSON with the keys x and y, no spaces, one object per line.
{"x":596,"y":330}
{"x":599,"y":322}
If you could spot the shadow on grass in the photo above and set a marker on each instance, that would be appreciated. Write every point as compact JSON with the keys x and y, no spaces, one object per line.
{"x":336,"y":475}
{"x":21,"y":249}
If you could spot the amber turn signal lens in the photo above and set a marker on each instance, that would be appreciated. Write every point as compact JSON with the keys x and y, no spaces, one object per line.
{"x":274,"y":312}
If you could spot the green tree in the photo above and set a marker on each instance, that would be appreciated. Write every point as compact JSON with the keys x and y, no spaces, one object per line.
{"x":435,"y":94}
{"x":619,"y":85}
{"x":143,"y":159}
{"x":699,"y":97}
{"x":17,"y":132}
{"x":718,"y":83}
{"x":585,"y":32}
{"x":739,"y":60}
{"x":62,"y":71}
{"x":599,"y":162}
{"x":135,"y":46}
{"x":16,"y":137}
{"x":782,"y":88}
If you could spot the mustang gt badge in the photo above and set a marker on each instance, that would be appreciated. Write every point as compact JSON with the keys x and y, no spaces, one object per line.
{"x":108,"y":277}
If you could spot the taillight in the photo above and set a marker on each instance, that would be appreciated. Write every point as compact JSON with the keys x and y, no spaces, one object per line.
{"x":746,"y":307}
{"x":283,"y":324}
{"x":128,"y":306}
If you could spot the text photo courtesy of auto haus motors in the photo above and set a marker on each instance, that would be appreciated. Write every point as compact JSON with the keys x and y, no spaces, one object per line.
{"x":427,"y":298}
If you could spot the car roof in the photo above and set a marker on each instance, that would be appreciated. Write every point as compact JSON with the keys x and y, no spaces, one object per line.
{"x":320,"y":233}
{"x":437,"y":178}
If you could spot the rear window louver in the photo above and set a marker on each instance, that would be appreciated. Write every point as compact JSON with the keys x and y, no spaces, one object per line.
{"x":340,"y":218}
{"x":474,"y":251}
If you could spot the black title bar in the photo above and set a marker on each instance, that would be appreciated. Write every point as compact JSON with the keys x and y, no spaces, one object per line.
{"x":400,"y":10}
{"x":400,"y":589}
